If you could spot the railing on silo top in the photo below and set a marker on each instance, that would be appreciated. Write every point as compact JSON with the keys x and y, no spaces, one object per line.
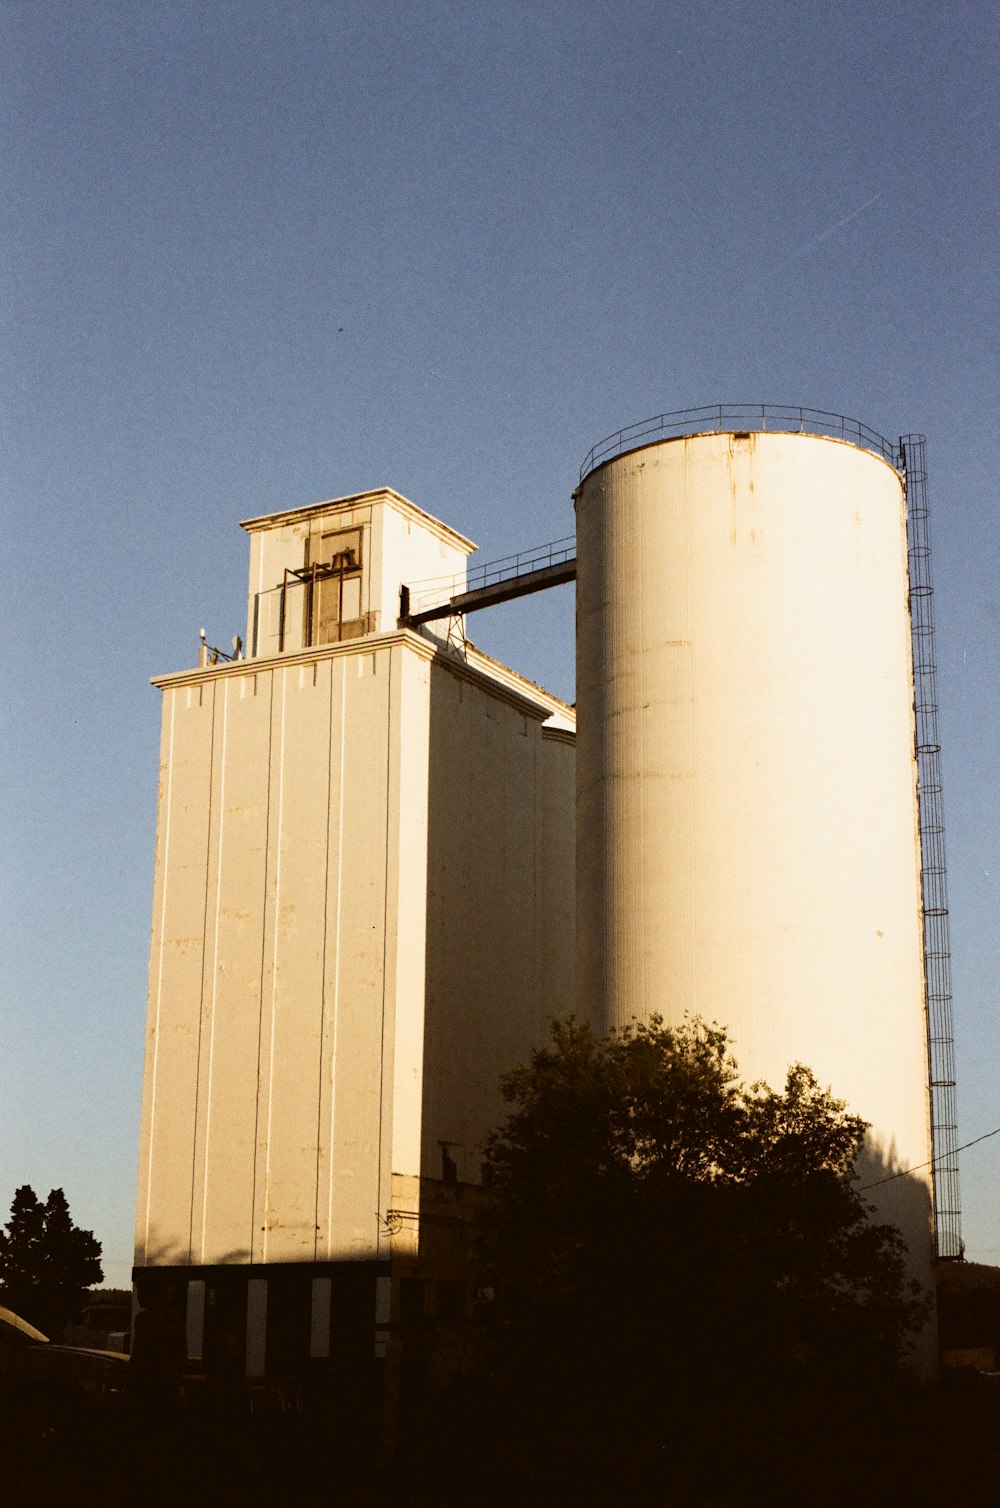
{"x":729,"y":418}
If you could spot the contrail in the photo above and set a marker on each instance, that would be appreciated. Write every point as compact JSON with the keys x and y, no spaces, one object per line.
{"x":832,"y":230}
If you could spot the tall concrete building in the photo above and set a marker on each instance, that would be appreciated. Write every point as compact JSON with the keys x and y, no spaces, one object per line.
{"x":363,"y":913}
{"x":365,"y":892}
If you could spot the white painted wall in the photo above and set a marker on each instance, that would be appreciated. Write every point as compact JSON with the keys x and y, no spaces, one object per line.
{"x":281,"y":857}
{"x":747,"y":845}
{"x":353,"y":843}
{"x":499,"y":901}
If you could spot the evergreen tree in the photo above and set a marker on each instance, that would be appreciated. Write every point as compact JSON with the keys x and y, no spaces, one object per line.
{"x":47,"y":1263}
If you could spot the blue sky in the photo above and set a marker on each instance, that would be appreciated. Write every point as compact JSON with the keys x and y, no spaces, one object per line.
{"x":259,"y":254}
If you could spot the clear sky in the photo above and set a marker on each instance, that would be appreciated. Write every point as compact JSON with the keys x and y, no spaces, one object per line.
{"x":267,"y":252}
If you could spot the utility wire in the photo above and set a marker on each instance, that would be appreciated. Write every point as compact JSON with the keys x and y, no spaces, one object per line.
{"x":903,"y":1173}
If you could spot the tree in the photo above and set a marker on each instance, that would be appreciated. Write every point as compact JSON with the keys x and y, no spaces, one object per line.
{"x":662,"y":1237}
{"x":47,"y":1263}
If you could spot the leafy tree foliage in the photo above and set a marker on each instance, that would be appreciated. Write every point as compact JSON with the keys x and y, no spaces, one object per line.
{"x":47,"y":1263}
{"x":657,"y":1230}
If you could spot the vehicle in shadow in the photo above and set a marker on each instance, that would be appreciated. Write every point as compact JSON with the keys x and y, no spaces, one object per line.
{"x":54,"y":1396}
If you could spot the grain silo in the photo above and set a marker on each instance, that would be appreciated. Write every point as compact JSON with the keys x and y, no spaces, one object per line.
{"x":748,"y":828}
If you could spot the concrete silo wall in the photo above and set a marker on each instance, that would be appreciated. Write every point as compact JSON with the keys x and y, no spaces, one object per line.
{"x":748,"y":847}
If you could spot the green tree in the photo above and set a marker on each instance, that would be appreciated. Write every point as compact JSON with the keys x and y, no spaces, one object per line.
{"x":47,"y":1263}
{"x":663,"y":1239}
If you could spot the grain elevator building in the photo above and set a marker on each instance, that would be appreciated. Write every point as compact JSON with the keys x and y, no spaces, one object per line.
{"x":379,"y":867}
{"x":363,"y":913}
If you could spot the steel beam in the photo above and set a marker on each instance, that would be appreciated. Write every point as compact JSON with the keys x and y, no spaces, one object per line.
{"x":498,"y":591}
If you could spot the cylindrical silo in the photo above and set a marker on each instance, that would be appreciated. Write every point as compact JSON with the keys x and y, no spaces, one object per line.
{"x":748,"y":844}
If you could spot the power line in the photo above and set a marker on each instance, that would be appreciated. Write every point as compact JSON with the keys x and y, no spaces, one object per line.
{"x":903,"y":1173}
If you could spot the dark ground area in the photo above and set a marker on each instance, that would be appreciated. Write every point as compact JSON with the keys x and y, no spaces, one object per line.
{"x":469,"y":1446}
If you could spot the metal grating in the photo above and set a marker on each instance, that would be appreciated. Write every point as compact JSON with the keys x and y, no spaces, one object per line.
{"x":937,"y":945}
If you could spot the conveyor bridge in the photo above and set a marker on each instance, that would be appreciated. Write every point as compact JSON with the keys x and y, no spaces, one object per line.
{"x":485,"y":585}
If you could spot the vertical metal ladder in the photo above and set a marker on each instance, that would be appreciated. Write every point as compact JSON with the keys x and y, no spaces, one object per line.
{"x":934,"y":879}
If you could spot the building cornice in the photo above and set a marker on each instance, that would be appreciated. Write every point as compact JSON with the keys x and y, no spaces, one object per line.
{"x":387,"y":495}
{"x":478,"y":669}
{"x":495,"y":670}
{"x":200,"y":674}
{"x":560,"y":735}
{"x":513,"y":689}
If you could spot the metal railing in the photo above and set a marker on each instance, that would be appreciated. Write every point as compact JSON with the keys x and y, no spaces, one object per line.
{"x":437,"y":590}
{"x":779,"y":418}
{"x":492,"y":572}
